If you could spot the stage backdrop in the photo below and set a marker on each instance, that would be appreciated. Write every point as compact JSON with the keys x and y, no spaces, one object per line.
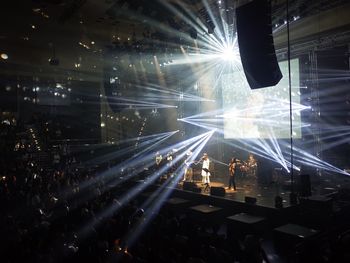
{"x":261,"y":113}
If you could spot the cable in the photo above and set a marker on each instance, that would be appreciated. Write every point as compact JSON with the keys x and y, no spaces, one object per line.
{"x":292,"y":200}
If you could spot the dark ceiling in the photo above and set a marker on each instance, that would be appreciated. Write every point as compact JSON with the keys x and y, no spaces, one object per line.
{"x":78,"y":31}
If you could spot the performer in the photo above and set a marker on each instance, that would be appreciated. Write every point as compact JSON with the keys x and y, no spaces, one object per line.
{"x":232,"y":167}
{"x":188,"y":175}
{"x":205,"y":170}
{"x":169,"y":158}
{"x":158,"y":163}
{"x":169,"y":164}
{"x":252,"y":165}
{"x":159,"y":159}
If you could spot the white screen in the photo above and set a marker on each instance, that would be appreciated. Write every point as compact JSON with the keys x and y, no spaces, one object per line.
{"x":261,"y":113}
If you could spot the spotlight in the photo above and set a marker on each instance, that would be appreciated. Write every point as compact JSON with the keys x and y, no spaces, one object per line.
{"x":229,"y":53}
{"x":4,"y":56}
{"x":193,"y":33}
{"x":54,"y":61}
{"x":211,"y":27}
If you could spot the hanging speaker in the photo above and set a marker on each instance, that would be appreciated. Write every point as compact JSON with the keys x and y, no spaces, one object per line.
{"x":256,"y":46}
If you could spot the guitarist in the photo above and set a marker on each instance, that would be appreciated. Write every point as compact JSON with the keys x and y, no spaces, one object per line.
{"x":232,"y":167}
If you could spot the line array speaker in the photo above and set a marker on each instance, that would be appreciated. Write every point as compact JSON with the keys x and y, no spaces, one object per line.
{"x":256,"y":45}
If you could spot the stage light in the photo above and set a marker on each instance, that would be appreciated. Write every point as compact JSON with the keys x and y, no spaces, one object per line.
{"x":4,"y":56}
{"x":193,"y":33}
{"x":54,"y":61}
{"x":211,"y":27}
{"x":228,"y":54}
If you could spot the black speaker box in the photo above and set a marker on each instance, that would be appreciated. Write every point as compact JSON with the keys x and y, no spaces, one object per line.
{"x":196,"y":189}
{"x":318,"y":203}
{"x":304,"y":185}
{"x":287,"y":237}
{"x":217,"y":191}
{"x":250,"y":200}
{"x":189,"y":186}
{"x":256,"y":45}
{"x":344,"y":194}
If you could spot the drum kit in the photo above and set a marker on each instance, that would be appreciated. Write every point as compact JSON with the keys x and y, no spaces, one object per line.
{"x":243,"y":167}
{"x":248,"y":168}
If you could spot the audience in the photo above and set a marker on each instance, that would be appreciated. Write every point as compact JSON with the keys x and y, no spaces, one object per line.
{"x":48,"y":217}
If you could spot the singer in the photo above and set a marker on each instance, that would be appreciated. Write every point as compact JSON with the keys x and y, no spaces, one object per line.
{"x":205,"y":169}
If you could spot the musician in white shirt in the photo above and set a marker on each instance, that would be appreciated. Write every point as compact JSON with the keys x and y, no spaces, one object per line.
{"x":205,"y":169}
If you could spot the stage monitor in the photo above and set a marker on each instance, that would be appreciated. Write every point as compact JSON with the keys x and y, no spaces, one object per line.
{"x":261,"y":113}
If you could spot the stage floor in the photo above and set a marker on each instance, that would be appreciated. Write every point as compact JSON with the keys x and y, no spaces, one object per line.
{"x":265,"y":194}
{"x":325,"y":185}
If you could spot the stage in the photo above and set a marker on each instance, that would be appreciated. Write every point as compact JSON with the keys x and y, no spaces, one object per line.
{"x":253,"y":199}
{"x":265,"y":195}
